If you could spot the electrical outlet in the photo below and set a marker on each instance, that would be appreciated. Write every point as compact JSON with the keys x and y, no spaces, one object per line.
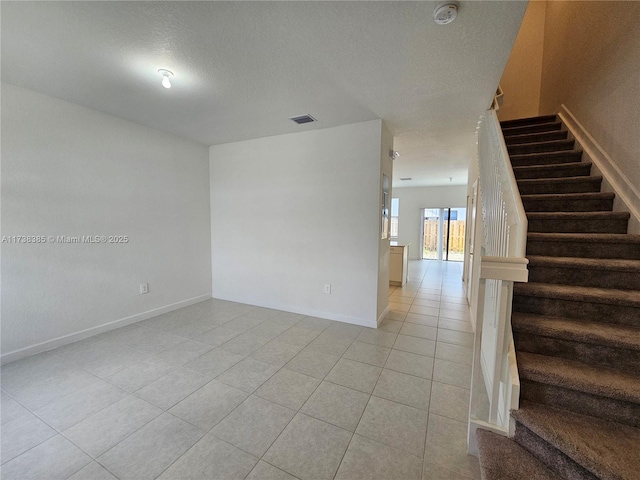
{"x":327,"y":288}
{"x":144,"y":288}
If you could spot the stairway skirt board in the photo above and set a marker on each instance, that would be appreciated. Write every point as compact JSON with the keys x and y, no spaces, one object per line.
{"x":576,"y":324}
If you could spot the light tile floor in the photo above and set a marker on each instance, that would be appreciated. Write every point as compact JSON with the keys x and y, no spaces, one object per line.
{"x":220,"y":390}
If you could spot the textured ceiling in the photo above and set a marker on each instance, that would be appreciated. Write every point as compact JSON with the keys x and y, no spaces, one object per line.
{"x":243,"y":68}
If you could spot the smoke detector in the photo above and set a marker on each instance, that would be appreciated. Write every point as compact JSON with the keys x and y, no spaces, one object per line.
{"x":445,"y":13}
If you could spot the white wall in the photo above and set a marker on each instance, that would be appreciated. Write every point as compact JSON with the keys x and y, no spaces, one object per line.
{"x":522,"y":76}
{"x":291,"y":213}
{"x":590,"y":65}
{"x":413,"y":200}
{"x":69,"y":170}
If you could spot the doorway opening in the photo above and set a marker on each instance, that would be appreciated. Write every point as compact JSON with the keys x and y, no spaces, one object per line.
{"x":443,"y":233}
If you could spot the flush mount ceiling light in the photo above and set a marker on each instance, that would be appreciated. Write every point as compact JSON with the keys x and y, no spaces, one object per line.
{"x":166,"y":74}
{"x":445,"y":13}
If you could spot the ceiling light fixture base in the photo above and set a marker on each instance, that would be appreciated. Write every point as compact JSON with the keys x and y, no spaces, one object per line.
{"x":166,"y":74}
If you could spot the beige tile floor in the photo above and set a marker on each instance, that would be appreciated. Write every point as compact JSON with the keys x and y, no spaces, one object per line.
{"x":220,"y":390}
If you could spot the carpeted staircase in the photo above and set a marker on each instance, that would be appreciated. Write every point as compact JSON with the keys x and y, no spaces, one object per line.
{"x":576,"y":324}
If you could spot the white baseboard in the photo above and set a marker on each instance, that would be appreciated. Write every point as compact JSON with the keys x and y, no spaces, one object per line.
{"x":383,"y":315}
{"x":309,"y":312}
{"x":89,"y":332}
{"x":614,"y":180}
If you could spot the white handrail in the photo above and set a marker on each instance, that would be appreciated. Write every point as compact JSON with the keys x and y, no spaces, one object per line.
{"x":495,"y":385}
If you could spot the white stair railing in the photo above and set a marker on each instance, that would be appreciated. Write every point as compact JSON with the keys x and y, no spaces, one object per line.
{"x":495,"y":388}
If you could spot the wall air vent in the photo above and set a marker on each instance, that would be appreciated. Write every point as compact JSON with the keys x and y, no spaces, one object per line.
{"x":405,"y":178}
{"x":302,"y":119}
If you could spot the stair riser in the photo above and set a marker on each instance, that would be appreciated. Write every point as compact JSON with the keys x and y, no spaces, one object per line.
{"x":522,"y":173}
{"x":535,"y":137}
{"x":555,"y":225}
{"x":579,"y":402}
{"x":585,"y":277}
{"x":518,"y":122}
{"x":619,"y":314}
{"x":627,"y":251}
{"x":561,"y":205}
{"x":545,"y":159}
{"x":551,"y":456}
{"x":537,"y":128}
{"x":540,"y":188}
{"x":619,"y":358}
{"x":540,"y":147}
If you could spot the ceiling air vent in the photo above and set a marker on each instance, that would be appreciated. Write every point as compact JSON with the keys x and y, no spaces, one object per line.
{"x":301,"y":119}
{"x":405,"y":178}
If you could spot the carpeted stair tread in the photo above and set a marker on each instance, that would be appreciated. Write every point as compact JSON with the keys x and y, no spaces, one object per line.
{"x":558,"y":170}
{"x":527,"y":121}
{"x":587,"y":216}
{"x":608,"y":296}
{"x":579,"y":184}
{"x":535,"y":137}
{"x":494,"y":450}
{"x":598,"y":238}
{"x":586,"y":263}
{"x":614,"y":273}
{"x":546,"y":158}
{"x":569,"y":202}
{"x":565,"y":373}
{"x":578,"y":222}
{"x":607,"y":449}
{"x":587,"y":245}
{"x":532,"y":128}
{"x":559,"y":180}
{"x":538,"y":147}
{"x":568,"y":196}
{"x":585,"y":331}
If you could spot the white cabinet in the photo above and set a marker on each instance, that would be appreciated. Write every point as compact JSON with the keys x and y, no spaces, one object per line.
{"x":398,"y":263}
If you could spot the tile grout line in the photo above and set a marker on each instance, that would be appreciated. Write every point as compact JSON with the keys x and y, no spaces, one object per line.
{"x":426,"y":434}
